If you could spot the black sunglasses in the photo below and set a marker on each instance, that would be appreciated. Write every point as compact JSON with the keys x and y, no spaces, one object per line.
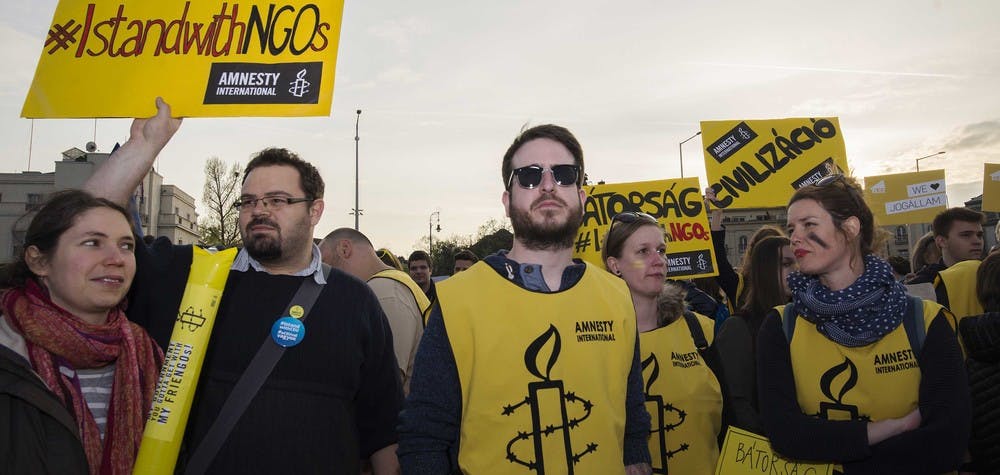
{"x":631,"y":217}
{"x":830,"y":179}
{"x":531,"y":176}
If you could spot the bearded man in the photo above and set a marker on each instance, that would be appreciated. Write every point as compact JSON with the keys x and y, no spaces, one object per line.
{"x":530,"y":364}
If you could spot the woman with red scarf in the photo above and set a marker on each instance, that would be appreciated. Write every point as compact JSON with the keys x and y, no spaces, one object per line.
{"x":76,"y":376}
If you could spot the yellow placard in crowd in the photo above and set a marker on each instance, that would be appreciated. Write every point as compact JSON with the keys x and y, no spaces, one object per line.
{"x":746,"y":453}
{"x":991,"y":187}
{"x":207,"y":59}
{"x":906,"y":198}
{"x":760,"y":163}
{"x":676,"y":204}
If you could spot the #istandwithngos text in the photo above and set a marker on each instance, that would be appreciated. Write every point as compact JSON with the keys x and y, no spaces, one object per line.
{"x":279,"y":30}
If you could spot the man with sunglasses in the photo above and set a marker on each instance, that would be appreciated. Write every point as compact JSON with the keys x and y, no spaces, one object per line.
{"x":333,"y":397}
{"x":531,"y":362}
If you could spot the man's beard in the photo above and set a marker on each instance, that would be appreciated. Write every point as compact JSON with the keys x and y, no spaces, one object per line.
{"x":545,"y":236}
{"x":263,"y":248}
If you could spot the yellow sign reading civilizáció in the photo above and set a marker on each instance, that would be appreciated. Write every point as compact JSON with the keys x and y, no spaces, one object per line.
{"x":746,"y":453}
{"x":207,"y":59}
{"x":677,"y":206}
{"x":906,"y":198}
{"x":760,"y":163}
{"x":991,"y":187}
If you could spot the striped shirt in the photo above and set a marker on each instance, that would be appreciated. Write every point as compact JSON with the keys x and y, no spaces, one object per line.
{"x":96,"y":384}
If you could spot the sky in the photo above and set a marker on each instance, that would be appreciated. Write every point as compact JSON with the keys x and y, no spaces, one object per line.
{"x":445,"y":86}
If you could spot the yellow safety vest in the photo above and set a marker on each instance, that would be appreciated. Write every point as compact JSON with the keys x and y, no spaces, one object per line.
{"x":543,"y":375}
{"x":683,"y":397}
{"x":959,"y":281}
{"x":423,"y":303}
{"x":872,"y":383}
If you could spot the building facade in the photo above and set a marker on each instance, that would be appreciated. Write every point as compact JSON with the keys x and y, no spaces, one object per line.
{"x":163,"y":210}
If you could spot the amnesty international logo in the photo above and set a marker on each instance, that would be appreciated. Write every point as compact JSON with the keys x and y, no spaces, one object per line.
{"x":663,"y":422}
{"x":554,"y":414}
{"x":843,"y":377}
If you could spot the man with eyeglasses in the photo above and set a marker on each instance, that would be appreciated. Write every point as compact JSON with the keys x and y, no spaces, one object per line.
{"x":333,"y":397}
{"x":530,"y":364}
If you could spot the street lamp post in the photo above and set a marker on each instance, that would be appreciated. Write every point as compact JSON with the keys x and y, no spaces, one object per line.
{"x":430,"y":230}
{"x":357,"y":140}
{"x":680,"y":148}
{"x":928,"y":156}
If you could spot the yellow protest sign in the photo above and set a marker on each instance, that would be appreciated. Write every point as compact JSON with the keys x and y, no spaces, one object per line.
{"x":744,"y":452}
{"x":760,"y":163}
{"x":676,"y":204}
{"x":991,"y":187}
{"x":906,"y":198}
{"x":207,"y":59}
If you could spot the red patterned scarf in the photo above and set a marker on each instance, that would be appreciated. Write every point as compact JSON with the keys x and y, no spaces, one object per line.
{"x":57,"y":339}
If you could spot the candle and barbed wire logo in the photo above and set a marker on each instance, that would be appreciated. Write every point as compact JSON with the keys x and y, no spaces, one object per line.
{"x":551,"y":423}
{"x":300,"y":86}
{"x":660,"y":412}
{"x":829,"y":409}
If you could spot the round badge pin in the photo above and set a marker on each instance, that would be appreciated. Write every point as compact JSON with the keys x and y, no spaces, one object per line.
{"x":296,"y":311}
{"x":288,"y":331}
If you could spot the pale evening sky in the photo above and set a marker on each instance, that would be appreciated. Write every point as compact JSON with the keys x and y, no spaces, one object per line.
{"x":445,"y":86}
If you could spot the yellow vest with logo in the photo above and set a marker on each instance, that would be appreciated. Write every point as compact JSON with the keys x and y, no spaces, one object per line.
{"x":871,"y":383}
{"x":683,"y":397}
{"x":960,"y":282}
{"x":543,"y":375}
{"x":423,"y":303}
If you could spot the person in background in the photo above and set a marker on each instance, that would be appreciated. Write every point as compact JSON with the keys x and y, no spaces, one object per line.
{"x":420,"y":266}
{"x":771,"y":261}
{"x":837,"y":379}
{"x":401,"y":299}
{"x":691,"y":392}
{"x":958,"y":233}
{"x":464,"y":260}
{"x":388,"y":258}
{"x":981,"y":336}
{"x":900,"y":267}
{"x":76,"y":376}
{"x":925,"y":253}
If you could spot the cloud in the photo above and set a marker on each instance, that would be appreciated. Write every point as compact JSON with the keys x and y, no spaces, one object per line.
{"x":399,"y":75}
{"x":398,"y":33}
{"x":975,"y":137}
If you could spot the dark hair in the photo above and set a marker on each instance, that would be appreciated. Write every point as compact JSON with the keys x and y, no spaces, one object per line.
{"x":466,"y":255}
{"x":617,"y":234}
{"x":765,"y":290}
{"x":842,"y":197}
{"x":762,"y":232}
{"x":388,"y":258}
{"x":309,"y":178}
{"x":59,"y":213}
{"x":988,"y":282}
{"x":919,"y":257}
{"x":419,"y":255}
{"x":944,"y":220}
{"x":547,"y":131}
{"x":899,"y":264}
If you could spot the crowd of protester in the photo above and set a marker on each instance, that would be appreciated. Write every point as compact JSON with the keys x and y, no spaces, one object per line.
{"x":525,"y":360}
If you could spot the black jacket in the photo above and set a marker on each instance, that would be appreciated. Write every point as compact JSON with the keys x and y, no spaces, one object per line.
{"x":981,"y":335}
{"x":38,"y":434}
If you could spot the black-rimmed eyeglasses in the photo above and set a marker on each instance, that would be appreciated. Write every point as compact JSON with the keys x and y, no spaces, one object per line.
{"x":269,"y":202}
{"x":531,"y":176}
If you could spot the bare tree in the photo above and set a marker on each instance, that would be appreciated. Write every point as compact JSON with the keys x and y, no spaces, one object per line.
{"x":222,"y":189}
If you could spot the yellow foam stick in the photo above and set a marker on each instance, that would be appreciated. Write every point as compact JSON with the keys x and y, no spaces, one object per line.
{"x":161,"y":441}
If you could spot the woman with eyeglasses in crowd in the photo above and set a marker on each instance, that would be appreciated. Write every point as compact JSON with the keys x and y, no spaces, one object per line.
{"x":675,"y":368}
{"x":854,"y":372}
{"x":76,"y":376}
{"x":769,"y":263}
